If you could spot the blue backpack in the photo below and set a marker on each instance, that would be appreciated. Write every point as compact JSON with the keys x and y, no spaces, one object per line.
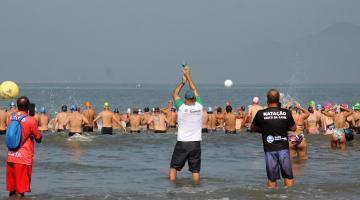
{"x":14,"y":132}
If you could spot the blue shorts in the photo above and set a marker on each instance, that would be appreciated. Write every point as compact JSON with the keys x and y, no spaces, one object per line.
{"x":276,"y":162}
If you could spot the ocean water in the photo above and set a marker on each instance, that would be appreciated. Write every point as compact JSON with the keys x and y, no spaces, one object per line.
{"x":135,"y":166}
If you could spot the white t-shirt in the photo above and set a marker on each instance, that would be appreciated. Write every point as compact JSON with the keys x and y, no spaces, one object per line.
{"x":189,"y":121}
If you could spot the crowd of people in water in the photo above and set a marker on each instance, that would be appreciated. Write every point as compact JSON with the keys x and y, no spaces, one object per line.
{"x":341,"y":121}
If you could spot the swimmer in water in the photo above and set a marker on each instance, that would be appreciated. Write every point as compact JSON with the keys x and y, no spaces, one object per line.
{"x":356,"y":118}
{"x":230,"y":120}
{"x":75,"y":120}
{"x":145,"y":118}
{"x":89,"y":114}
{"x":212,"y":120}
{"x":339,"y":117}
{"x":313,"y":122}
{"x":240,"y":118}
{"x":220,"y":121}
{"x":43,"y":120}
{"x":297,"y":142}
{"x":135,"y":121}
{"x":116,"y":126}
{"x":159,"y":120}
{"x":253,"y":109}
{"x":205,"y":122}
{"x":60,"y":119}
{"x":172,"y":118}
{"x":107,"y":118}
{"x":3,"y":121}
{"x":327,"y":122}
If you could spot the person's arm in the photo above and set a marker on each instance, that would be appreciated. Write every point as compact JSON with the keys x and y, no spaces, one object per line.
{"x":36,"y":133}
{"x":305,"y":114}
{"x":191,"y":82}
{"x":97,"y":117}
{"x":85,"y":120}
{"x":255,"y":125}
{"x":176,"y":92}
{"x":327,"y":113}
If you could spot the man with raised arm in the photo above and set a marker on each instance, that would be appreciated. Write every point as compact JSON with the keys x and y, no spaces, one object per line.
{"x":274,"y":123}
{"x":188,"y":147}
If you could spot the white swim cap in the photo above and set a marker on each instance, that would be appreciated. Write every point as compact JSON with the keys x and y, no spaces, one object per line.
{"x":256,"y":100}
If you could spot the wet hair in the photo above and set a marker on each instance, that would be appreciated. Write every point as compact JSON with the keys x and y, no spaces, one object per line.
{"x":146,"y":109}
{"x":64,"y":108}
{"x":135,"y":110}
{"x":23,"y":103}
{"x":311,"y":109}
{"x":219,"y":109}
{"x":242,"y":108}
{"x":273,"y":96}
{"x":116,"y":110}
{"x":157,"y":109}
{"x":228,"y":108}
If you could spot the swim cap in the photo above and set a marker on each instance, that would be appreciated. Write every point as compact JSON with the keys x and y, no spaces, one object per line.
{"x":139,"y":110}
{"x":319,"y":106}
{"x":228,"y":109}
{"x":344,"y":105}
{"x":157,"y":109}
{"x":189,"y":94}
{"x":312,"y":103}
{"x":256,"y":100}
{"x":106,"y":104}
{"x":64,"y":108}
{"x":128,"y":110}
{"x":73,"y":107}
{"x":12,"y":104}
{"x":87,"y":104}
{"x":327,"y":105}
{"x":116,"y":110}
{"x":209,"y":110}
{"x":146,"y":109}
{"x":43,"y":109}
{"x":357,"y":106}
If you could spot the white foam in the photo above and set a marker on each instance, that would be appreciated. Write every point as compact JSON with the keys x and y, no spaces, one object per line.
{"x":78,"y":137}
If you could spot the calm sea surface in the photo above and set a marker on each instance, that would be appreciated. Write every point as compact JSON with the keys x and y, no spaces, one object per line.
{"x":127,"y":166}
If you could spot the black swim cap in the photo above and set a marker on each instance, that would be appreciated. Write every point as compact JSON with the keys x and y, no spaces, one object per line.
{"x":146,"y":109}
{"x":228,"y":108}
{"x":64,"y":108}
{"x":116,"y":110}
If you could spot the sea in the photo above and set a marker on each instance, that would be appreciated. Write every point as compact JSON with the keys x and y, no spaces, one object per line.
{"x":135,"y":166}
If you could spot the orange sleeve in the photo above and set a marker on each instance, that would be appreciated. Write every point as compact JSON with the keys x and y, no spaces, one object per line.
{"x":35,"y":130}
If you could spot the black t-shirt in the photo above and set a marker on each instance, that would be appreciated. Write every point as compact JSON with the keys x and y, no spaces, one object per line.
{"x":273,"y":124}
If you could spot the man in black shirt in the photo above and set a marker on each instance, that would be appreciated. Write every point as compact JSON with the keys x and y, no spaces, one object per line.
{"x":274,"y":123}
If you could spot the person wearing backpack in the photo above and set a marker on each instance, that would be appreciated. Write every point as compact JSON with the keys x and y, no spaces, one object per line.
{"x":20,"y":136}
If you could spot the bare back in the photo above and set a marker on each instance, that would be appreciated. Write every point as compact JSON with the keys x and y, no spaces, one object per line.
{"x":212,"y":121}
{"x":60,"y":120}
{"x":90,"y":116}
{"x":76,"y":120}
{"x":159,"y":122}
{"x":253,"y":109}
{"x":135,"y":121}
{"x":106,"y":117}
{"x":230,"y":122}
{"x":3,"y":119}
{"x":43,"y":122}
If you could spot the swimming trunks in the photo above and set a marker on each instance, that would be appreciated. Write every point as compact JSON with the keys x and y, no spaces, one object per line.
{"x":2,"y":132}
{"x":187,"y":151}
{"x":133,"y":131}
{"x":330,"y":129}
{"x":88,"y":129}
{"x":60,"y":130}
{"x":349,"y":134}
{"x":107,"y":130}
{"x":296,"y":139}
{"x":73,"y":133}
{"x":313,"y":130}
{"x":230,"y":132}
{"x":204,"y":130}
{"x":276,"y":162}
{"x":338,"y":134}
{"x":159,"y":131}
{"x":172,"y":126}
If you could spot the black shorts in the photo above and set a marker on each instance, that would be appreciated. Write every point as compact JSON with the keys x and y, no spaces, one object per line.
{"x":204,"y":130}
{"x":230,"y":132}
{"x":3,"y":132}
{"x":107,"y":130}
{"x":172,"y":126}
{"x":133,"y":131}
{"x":60,"y":130}
{"x":158,"y":131}
{"x":187,"y":151}
{"x":73,"y":133}
{"x":88,"y":129}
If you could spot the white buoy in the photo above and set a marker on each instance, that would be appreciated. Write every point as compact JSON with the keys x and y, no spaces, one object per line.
{"x":228,"y":83}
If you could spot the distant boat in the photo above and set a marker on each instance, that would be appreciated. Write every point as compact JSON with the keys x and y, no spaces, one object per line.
{"x":138,"y":85}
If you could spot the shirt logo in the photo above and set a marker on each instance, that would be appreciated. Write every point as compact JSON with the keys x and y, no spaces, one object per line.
{"x":270,"y":139}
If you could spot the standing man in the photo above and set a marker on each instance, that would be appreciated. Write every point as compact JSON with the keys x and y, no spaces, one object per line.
{"x":75,"y":120}
{"x":159,"y":120}
{"x":19,"y":162}
{"x":60,"y":119}
{"x":107,"y":118}
{"x":188,"y":147}
{"x":43,"y":120}
{"x":230,"y":120}
{"x":274,"y":123}
{"x":135,"y":121}
{"x":90,"y":116}
{"x":253,"y":109}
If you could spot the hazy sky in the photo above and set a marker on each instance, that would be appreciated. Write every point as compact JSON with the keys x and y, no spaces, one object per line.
{"x":146,"y":41}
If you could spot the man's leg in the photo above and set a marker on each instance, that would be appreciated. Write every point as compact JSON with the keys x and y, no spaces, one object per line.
{"x":10,"y":179}
{"x":288,"y":182}
{"x":23,"y":178}
{"x":292,"y":150}
{"x":172,"y":174}
{"x":196,"y":177}
{"x":302,"y":150}
{"x":272,"y":184}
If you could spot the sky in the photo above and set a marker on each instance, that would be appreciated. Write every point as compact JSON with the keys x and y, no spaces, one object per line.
{"x":132,"y":41}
